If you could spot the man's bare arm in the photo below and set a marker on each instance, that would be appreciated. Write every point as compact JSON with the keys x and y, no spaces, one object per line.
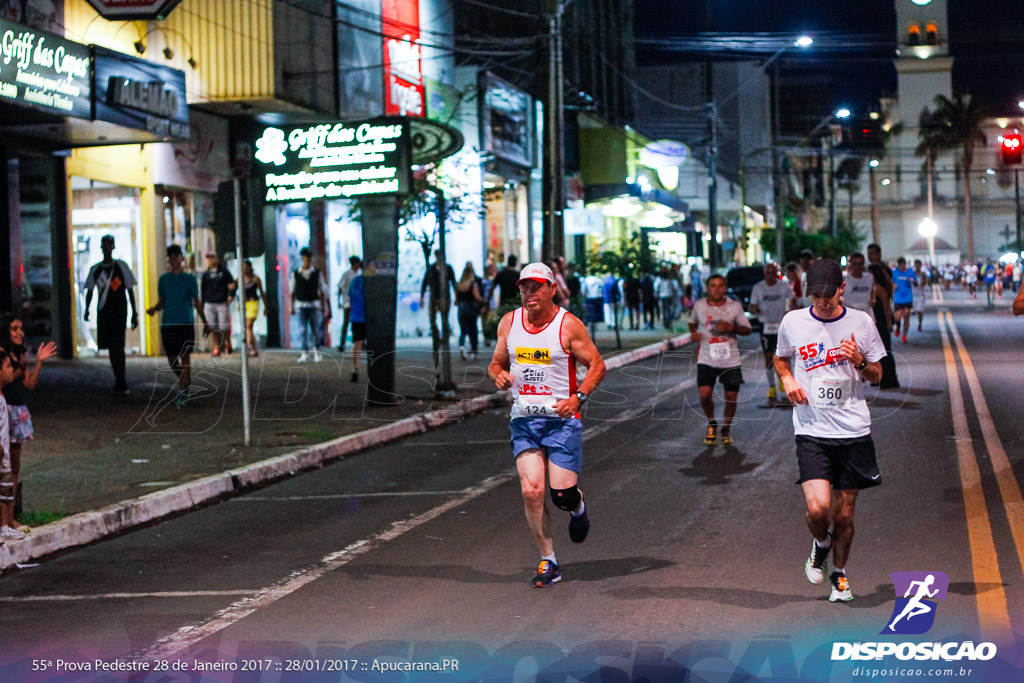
{"x":500,"y":361}
{"x":793,"y":390}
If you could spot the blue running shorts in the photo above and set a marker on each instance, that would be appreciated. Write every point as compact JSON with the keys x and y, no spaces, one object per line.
{"x":563,"y":439}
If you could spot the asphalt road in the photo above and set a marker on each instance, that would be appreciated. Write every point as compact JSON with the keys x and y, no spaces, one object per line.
{"x":418,"y":552}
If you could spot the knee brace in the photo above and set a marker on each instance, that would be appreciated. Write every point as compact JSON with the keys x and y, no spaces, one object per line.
{"x":566,"y":499}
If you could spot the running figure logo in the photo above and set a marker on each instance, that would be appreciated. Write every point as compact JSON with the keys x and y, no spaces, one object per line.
{"x":914,"y":613}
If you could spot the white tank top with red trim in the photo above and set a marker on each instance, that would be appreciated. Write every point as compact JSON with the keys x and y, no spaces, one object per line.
{"x":543,"y":373}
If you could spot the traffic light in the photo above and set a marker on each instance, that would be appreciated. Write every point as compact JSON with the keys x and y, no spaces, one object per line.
{"x":1011,"y":149}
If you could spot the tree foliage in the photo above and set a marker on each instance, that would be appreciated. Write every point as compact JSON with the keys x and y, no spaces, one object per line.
{"x":822,"y":244}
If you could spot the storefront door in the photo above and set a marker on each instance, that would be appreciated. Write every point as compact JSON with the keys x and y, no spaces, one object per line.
{"x":99,"y":209}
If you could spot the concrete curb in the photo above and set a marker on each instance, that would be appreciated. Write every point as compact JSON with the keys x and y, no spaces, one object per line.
{"x":88,"y":527}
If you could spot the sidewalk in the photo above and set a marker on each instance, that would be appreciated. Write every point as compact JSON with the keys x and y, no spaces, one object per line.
{"x":93,"y":448}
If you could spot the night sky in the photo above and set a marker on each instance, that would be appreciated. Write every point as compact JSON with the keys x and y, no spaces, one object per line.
{"x":851,"y":63}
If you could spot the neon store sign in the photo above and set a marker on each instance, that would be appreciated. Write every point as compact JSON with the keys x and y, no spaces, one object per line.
{"x":404,"y":92}
{"x":334,"y":160}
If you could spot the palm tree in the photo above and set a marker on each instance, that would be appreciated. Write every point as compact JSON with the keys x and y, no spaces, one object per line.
{"x":956,"y":125}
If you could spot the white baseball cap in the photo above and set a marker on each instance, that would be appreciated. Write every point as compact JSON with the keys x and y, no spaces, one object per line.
{"x":536,"y":271}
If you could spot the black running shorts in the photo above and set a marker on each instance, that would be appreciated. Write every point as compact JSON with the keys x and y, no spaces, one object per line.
{"x":846,"y":463}
{"x":769,"y":342}
{"x":731,"y":378}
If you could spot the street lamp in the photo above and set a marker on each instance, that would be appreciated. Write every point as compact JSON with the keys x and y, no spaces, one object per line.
{"x":928,"y":230}
{"x":780,"y":184}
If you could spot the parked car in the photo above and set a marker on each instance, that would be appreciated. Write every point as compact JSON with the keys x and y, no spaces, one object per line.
{"x":740,"y":282}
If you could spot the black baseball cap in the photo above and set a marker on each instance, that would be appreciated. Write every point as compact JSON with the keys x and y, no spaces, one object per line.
{"x":824,"y":277}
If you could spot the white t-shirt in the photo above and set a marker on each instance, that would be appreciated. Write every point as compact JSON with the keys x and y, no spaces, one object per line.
{"x":593,"y":287}
{"x":920,"y":290}
{"x":836,"y":409}
{"x":718,"y":349}
{"x":772,"y":302}
{"x":858,"y":291}
{"x":972,"y":274}
{"x":346,"y":281}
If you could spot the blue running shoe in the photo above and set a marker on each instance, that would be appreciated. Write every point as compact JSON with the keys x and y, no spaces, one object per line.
{"x":547,"y":574}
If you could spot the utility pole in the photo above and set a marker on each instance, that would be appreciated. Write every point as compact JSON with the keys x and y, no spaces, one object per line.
{"x":1016,"y":197}
{"x":553,"y":238}
{"x":713,"y":248}
{"x":778,"y":168}
{"x":832,"y":220}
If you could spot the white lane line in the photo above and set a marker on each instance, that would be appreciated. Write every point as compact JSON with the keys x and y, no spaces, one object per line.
{"x":342,"y":496}
{"x":419,"y":444}
{"x":189,"y":635}
{"x":1008,"y":486}
{"x":124,"y":596}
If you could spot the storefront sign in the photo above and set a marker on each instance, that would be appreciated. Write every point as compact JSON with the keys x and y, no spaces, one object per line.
{"x":44,"y":71}
{"x":124,"y":10}
{"x":332,"y":160}
{"x":404,"y":94}
{"x":505,"y":120}
{"x":137,"y":93}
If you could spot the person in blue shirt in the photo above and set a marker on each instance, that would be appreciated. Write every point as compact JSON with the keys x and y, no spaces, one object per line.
{"x":177,"y":295}
{"x":990,"y":271}
{"x":903,"y":279}
{"x":610,"y":294}
{"x":357,"y":316}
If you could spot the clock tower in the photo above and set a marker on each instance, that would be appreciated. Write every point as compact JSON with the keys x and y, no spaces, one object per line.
{"x":923,"y":65}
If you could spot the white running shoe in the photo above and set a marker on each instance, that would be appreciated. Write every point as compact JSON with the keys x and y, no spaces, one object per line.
{"x":317,"y":356}
{"x":10,"y":534}
{"x":840,"y":588}
{"x":815,"y":566}
{"x":304,"y":357}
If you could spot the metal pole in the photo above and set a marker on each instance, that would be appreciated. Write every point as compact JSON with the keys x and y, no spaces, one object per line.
{"x":445,"y":387}
{"x":832,"y":219}
{"x":240,"y":298}
{"x":780,"y":179}
{"x":712,"y":181}
{"x":876,"y":232}
{"x":553,"y":238}
{"x":1016,"y":198}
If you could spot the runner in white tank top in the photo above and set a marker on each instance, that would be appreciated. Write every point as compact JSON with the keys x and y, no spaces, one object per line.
{"x":535,"y":356}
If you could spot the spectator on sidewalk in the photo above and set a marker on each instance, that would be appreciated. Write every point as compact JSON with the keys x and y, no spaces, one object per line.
{"x":357,"y":316}
{"x":632,"y":295}
{"x":252,"y":289}
{"x":440,"y":297}
{"x":217,"y":290}
{"x":177,"y":296}
{"x":344,"y":303}
{"x":309,"y":302}
{"x":611,"y":296}
{"x":12,"y":338}
{"x":650,"y":301}
{"x":506,"y":282}
{"x":6,"y":484}
{"x":593,"y":302}
{"x":113,"y":280}
{"x":469,"y":300}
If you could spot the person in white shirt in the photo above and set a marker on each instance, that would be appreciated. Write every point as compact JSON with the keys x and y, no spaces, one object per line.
{"x":770,"y":300}
{"x":859,"y":293}
{"x":971,"y":278}
{"x":824,"y":351}
{"x":715,"y":323}
{"x":344,"y":303}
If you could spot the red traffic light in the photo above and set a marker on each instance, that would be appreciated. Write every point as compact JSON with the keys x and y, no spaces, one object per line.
{"x":1011,"y":149}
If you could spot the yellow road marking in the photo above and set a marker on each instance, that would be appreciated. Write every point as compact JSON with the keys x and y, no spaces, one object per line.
{"x":993,"y":614}
{"x":1008,"y":486}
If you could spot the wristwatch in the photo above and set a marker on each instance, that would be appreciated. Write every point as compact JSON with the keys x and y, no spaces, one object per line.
{"x":863,"y":364}
{"x":581,"y":397}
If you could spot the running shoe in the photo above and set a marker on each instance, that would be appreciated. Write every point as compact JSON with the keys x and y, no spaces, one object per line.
{"x":354,"y":378}
{"x":216,"y":351}
{"x":317,"y":356}
{"x":712,"y":434}
{"x":904,"y":339}
{"x":840,"y":588}
{"x":579,"y":527}
{"x":726,"y":436}
{"x":815,"y":566}
{"x":772,"y":393}
{"x":9,"y":534}
{"x":304,"y":357}
{"x":179,"y":399}
{"x":547,"y":574}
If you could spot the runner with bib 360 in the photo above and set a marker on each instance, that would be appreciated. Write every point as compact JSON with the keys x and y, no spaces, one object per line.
{"x":535,"y":356}
{"x":823,"y":352}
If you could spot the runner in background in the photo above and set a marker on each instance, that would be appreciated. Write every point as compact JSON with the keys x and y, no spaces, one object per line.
{"x":770,"y":300}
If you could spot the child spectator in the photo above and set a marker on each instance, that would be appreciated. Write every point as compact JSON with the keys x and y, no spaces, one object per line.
{"x":12,"y":338}
{"x":6,"y":485}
